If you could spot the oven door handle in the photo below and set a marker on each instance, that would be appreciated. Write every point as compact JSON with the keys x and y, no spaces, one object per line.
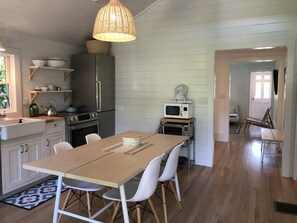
{"x":83,"y":125}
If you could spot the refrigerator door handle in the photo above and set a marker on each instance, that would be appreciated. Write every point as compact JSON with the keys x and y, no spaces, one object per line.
{"x":98,"y":95}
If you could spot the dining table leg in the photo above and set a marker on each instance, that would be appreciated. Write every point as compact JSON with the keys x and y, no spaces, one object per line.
{"x":57,"y":201}
{"x":124,"y":204}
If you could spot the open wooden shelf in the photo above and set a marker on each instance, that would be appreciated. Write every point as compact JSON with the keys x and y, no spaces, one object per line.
{"x":33,"y":69}
{"x":33,"y":94}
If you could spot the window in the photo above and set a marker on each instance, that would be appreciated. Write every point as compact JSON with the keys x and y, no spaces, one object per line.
{"x":10,"y":94}
{"x":4,"y":82}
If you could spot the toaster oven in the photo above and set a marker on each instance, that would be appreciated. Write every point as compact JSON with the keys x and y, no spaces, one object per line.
{"x":178,"y":129}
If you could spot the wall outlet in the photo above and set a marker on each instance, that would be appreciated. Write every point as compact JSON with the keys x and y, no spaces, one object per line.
{"x":202,"y":100}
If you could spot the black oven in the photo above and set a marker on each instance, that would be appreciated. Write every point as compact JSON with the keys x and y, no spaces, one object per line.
{"x":77,"y":126}
{"x":76,"y":133}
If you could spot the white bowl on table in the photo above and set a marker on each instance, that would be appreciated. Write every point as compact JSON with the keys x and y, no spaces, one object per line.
{"x":131,"y":141}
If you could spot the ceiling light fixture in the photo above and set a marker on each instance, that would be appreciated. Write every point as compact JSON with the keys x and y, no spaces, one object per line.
{"x":114,"y":23}
{"x":1,"y":45}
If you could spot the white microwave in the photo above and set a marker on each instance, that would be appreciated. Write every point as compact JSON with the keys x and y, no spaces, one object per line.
{"x":178,"y":110}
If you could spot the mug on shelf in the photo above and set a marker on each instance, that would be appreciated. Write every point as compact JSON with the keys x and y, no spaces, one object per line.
{"x":51,"y":87}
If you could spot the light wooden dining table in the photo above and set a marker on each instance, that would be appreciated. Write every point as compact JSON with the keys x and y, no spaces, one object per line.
{"x":106,"y":162}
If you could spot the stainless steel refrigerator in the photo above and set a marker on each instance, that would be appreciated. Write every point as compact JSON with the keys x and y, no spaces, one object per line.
{"x":93,"y":88}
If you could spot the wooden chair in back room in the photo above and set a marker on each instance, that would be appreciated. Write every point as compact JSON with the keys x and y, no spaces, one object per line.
{"x":266,"y":122}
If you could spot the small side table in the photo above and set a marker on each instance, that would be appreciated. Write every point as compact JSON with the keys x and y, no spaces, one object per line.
{"x":270,"y":136}
{"x":185,"y":127}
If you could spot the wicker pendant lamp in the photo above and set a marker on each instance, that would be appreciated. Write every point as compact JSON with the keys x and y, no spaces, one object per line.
{"x":114,"y":23}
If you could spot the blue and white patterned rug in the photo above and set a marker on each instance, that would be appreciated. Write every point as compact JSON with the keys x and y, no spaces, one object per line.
{"x":34,"y":196}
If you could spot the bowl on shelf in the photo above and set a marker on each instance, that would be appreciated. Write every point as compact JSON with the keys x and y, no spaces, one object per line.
{"x":44,"y":88}
{"x":57,"y":63}
{"x":39,"y":63}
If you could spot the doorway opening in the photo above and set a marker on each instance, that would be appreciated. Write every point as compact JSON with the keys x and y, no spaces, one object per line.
{"x":260,"y":93}
{"x":223,"y":92}
{"x":223,"y":61}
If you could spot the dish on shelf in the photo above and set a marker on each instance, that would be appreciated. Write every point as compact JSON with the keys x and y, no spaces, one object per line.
{"x":55,"y":63}
{"x":44,"y":88}
{"x":39,"y":63}
{"x":55,"y":58}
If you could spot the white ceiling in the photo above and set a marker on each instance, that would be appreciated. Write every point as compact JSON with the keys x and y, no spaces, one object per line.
{"x":67,"y":21}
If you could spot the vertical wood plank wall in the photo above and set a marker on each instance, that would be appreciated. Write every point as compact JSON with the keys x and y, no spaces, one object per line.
{"x":176,"y":41}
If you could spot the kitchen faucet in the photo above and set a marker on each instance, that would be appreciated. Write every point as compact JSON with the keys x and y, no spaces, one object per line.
{"x":2,"y":116}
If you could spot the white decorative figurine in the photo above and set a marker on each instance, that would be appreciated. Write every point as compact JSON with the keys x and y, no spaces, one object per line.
{"x":181,"y":92}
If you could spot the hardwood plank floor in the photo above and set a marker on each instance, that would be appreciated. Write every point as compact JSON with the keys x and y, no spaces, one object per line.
{"x":237,"y":189}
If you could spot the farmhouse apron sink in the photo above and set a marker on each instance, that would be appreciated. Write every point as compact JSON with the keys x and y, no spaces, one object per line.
{"x":18,"y":127}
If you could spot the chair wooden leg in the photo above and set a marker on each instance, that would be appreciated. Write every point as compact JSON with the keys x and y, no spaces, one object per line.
{"x":249,"y":127}
{"x":89,"y":204}
{"x":263,"y":150}
{"x":134,"y":212}
{"x":104,"y":202}
{"x":79,"y":200}
{"x":177,"y":186}
{"x":173,"y":190}
{"x":164,"y":203}
{"x":153,"y":210}
{"x":246,"y":125}
{"x":138,"y":213}
{"x":64,"y":205}
{"x":116,"y":210}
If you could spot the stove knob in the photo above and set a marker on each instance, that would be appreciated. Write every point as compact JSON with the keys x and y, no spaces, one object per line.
{"x":93,"y":115}
{"x":71,"y":119}
{"x":76,"y":118}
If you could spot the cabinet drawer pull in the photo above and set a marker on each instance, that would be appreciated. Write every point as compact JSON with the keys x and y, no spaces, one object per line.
{"x":22,"y":148}
{"x":47,"y":142}
{"x":26,"y":148}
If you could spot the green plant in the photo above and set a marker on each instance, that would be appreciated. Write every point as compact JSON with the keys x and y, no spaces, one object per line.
{"x":4,"y":87}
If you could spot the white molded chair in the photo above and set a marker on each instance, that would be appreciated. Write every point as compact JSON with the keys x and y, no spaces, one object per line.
{"x":138,"y":191}
{"x":93,"y":137}
{"x":168,"y":175}
{"x":75,"y":185}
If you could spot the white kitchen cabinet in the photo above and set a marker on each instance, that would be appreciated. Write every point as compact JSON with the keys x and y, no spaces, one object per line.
{"x":54,"y":133}
{"x":16,"y":152}
{"x":14,"y":155}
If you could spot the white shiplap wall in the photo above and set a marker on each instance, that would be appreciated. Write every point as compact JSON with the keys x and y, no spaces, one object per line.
{"x":176,"y":41}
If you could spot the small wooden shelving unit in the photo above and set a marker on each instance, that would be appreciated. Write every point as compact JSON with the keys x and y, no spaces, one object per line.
{"x":33,"y":69}
{"x":176,"y":123}
{"x":33,"y":94}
